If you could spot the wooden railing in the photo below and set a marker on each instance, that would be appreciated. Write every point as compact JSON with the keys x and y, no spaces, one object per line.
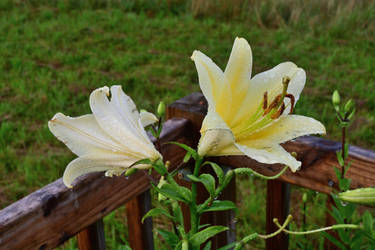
{"x":48,"y":217}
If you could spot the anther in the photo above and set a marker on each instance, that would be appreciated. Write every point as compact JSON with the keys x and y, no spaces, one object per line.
{"x":279,"y":112}
{"x":286,"y":80}
{"x":292,"y":101}
{"x":273,"y":105}
{"x":265,"y":100}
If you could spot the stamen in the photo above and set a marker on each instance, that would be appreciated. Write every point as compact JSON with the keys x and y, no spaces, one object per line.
{"x":292,"y":101}
{"x":279,"y":112}
{"x":265,"y":100}
{"x":273,"y":104}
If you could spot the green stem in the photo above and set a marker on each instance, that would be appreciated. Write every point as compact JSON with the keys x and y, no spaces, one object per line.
{"x":194,"y":217}
{"x":333,"y":227}
{"x":251,"y":171}
{"x":281,"y":228}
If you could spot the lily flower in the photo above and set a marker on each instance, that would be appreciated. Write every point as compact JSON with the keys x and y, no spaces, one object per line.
{"x":251,"y":116}
{"x":110,"y":139}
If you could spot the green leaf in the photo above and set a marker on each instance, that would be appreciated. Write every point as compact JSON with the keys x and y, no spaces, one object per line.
{"x":339,"y":158}
{"x":199,"y":238}
{"x":228,"y":178}
{"x":169,"y":191}
{"x":177,"y":212}
{"x":178,"y":246}
{"x":344,"y":184}
{"x":169,"y":237}
{"x":143,"y":161}
{"x":160,"y":168}
{"x":193,"y":178}
{"x":335,"y":241}
{"x":227,"y":247}
{"x":249,"y":237}
{"x":155,"y":212}
{"x":207,"y":246}
{"x":218,"y":171}
{"x":368,"y":221}
{"x":220,"y":206}
{"x":337,"y":172}
{"x":187,"y":157}
{"x":209,"y":183}
{"x":203,"y":226}
{"x":190,"y":150}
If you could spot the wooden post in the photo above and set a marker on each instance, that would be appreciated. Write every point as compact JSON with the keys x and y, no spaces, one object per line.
{"x":278,"y":195}
{"x":140,"y":235}
{"x":92,"y":237}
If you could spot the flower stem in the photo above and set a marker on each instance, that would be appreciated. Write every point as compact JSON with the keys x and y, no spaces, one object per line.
{"x":251,"y":171}
{"x":343,"y":151}
{"x":333,"y":227}
{"x":194,"y":217}
{"x":281,"y":228}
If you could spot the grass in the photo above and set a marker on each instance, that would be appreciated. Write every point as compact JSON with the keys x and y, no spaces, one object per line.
{"x":52,"y":55}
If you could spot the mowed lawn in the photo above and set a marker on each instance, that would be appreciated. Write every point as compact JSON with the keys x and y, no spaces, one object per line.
{"x":51,"y":58}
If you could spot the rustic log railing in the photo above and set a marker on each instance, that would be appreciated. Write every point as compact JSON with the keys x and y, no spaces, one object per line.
{"x":48,"y":217}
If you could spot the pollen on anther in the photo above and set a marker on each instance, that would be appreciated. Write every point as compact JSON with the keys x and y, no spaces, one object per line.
{"x":265,"y":100}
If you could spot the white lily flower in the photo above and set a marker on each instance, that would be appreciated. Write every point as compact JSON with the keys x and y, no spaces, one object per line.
{"x":251,"y":116}
{"x":110,"y":139}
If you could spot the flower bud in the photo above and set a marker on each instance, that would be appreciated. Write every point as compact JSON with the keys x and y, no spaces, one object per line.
{"x":161,"y":183}
{"x":364,"y":196}
{"x":161,"y":109}
{"x":336,"y":98}
{"x":304,"y":197}
{"x":349,"y":106}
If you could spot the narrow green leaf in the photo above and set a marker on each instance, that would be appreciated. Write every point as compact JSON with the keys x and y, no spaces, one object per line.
{"x":218,"y":171}
{"x":169,"y":237}
{"x":228,"y":178}
{"x":193,"y":153}
{"x":207,"y":246}
{"x":209,"y":183}
{"x":203,"y":226}
{"x":200,"y":237}
{"x":220,"y":206}
{"x":160,"y":168}
{"x":170,"y":192}
{"x":143,"y":161}
{"x":335,"y":241}
{"x":227,"y":247}
{"x":187,"y":157}
{"x":156,"y":211}
{"x":368,"y":221}
{"x":339,"y":158}
{"x":193,"y":178}
{"x":177,"y":213}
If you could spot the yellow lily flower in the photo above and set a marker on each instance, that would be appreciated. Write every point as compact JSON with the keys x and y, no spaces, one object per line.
{"x":251,"y":116}
{"x":110,"y":139}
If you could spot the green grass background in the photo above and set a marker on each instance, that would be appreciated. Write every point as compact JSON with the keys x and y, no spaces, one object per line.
{"x":54,"y":53}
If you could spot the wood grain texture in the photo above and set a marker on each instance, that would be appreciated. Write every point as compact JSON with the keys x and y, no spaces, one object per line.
{"x":92,"y":237}
{"x":318,"y":155}
{"x":54,"y":213}
{"x":140,"y":234}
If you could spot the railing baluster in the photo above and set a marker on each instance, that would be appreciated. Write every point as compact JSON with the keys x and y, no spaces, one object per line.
{"x":278,"y":194}
{"x":92,"y":237}
{"x":140,"y":235}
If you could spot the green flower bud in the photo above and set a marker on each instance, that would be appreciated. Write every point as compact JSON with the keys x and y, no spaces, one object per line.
{"x":161,"y":183}
{"x":336,"y":98}
{"x":304,"y":197}
{"x":364,"y":196}
{"x":349,"y":106}
{"x":161,"y":109}
{"x":130,"y":171}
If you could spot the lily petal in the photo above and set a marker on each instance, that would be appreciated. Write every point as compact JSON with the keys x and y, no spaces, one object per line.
{"x":85,"y":165}
{"x":148,"y":118}
{"x":284,"y":129}
{"x":238,"y":70}
{"x":211,"y":78}
{"x":82,"y":135}
{"x":271,"y":155}
{"x":113,"y":123}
